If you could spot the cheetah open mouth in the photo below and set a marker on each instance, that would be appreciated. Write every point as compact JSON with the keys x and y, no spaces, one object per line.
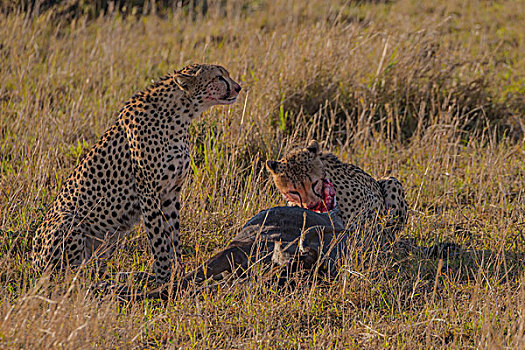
{"x":328,"y":202}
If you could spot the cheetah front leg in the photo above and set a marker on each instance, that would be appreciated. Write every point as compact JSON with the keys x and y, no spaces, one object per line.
{"x":163,"y":239}
{"x":160,"y":220}
{"x":395,"y":203}
{"x":171,"y":212}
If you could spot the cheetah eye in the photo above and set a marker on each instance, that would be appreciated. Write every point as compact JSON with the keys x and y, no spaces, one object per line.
{"x":295,"y":193}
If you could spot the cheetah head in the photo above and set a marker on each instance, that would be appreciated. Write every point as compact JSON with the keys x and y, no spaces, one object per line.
{"x":301,"y":178}
{"x":208,"y":84}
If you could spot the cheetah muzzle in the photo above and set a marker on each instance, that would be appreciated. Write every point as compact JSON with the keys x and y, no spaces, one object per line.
{"x":327,"y":200}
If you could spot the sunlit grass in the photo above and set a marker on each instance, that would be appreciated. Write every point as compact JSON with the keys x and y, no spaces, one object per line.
{"x":429,"y":92}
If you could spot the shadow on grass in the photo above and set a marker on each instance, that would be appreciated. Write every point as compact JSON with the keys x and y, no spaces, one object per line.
{"x":287,"y":247}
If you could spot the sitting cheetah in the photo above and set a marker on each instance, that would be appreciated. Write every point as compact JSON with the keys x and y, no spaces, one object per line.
{"x":319,"y":180}
{"x":136,"y":169}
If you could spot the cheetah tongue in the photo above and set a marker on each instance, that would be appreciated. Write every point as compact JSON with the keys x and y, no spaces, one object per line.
{"x":328,"y":203}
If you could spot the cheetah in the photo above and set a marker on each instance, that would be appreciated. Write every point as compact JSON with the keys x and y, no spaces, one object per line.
{"x":135,"y":170}
{"x":319,"y":181}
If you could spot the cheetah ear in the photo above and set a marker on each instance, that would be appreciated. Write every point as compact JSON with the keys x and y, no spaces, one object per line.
{"x":272,"y":166}
{"x":184,"y":80}
{"x":313,"y":147}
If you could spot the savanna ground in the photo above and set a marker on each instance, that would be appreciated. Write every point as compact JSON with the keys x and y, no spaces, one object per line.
{"x":430,"y":92}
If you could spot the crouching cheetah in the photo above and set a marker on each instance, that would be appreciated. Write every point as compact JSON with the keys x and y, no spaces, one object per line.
{"x":136,"y":169}
{"x":319,"y":181}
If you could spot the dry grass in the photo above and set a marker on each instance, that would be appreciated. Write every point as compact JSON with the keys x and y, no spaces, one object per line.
{"x":433,"y":94}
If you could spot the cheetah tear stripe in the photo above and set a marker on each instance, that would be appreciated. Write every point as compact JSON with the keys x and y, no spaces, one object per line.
{"x":328,"y":202}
